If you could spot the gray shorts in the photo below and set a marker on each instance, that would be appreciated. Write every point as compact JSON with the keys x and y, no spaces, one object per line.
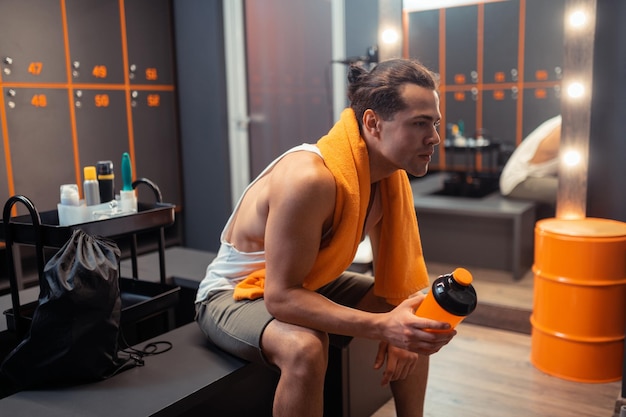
{"x":237,"y":326}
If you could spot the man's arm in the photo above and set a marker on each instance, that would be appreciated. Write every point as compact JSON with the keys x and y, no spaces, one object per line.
{"x":301,"y":204}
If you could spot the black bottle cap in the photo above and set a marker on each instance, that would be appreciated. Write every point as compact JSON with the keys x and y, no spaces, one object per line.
{"x":104,"y":167}
{"x":456,"y":296}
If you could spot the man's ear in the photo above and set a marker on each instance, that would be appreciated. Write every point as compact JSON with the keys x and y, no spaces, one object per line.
{"x":370,"y":122}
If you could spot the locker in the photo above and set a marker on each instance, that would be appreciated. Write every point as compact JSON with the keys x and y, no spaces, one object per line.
{"x":102,"y":126}
{"x":95,"y":41}
{"x":31,"y":38}
{"x":40,"y":140}
{"x":154,"y":127}
{"x":150,"y":42}
{"x":79,"y":78}
{"x":461,"y":45}
{"x":424,"y":38}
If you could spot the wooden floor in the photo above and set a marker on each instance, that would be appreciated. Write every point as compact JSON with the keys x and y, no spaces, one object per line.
{"x":486,"y":372}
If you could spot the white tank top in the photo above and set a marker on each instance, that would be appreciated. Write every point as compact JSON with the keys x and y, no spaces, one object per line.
{"x":231,"y":266}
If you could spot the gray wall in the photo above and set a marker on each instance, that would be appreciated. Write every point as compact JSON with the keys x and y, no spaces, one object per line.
{"x":361,"y":26}
{"x":203,"y":120}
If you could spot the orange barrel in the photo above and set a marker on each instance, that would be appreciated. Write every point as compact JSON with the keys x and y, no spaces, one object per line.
{"x":579,"y":313}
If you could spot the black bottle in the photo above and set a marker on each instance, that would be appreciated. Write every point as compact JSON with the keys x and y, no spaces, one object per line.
{"x":106,"y":181}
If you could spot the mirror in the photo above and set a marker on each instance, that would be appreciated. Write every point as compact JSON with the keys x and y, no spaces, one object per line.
{"x":499,"y":78}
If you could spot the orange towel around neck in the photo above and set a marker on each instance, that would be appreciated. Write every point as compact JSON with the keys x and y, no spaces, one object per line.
{"x":400,"y":269}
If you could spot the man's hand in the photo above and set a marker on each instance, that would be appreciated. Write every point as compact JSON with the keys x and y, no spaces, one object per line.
{"x":400,"y":363}
{"x":403,"y":329}
{"x":406,"y":337}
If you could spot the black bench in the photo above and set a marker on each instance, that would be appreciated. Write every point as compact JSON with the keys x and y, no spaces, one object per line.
{"x":196,"y":378}
{"x":193,"y":378}
{"x":352,"y":386}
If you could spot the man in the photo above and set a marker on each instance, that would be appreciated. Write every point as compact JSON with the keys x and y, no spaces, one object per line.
{"x":272,"y":293}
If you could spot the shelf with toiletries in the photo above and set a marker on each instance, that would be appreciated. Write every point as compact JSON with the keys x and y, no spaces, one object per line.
{"x":112,"y":94}
{"x":44,"y":230}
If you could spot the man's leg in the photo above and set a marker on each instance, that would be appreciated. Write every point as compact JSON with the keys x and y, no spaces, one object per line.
{"x":246,"y":329}
{"x":301,"y":354}
{"x":409,"y":393}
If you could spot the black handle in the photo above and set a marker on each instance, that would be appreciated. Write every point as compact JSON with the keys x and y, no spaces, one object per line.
{"x":20,"y":329}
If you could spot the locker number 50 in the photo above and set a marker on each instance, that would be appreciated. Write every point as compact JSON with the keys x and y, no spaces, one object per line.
{"x":101,"y":100}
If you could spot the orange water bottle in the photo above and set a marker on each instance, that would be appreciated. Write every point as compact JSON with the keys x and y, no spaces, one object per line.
{"x":451,"y":298}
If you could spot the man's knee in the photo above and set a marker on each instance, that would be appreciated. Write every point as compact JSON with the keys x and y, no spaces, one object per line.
{"x":310,"y":351}
{"x":303,"y":351}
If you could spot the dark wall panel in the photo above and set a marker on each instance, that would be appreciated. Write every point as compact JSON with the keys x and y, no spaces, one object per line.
{"x":424,"y":38}
{"x":606,"y":196}
{"x":201,"y":92}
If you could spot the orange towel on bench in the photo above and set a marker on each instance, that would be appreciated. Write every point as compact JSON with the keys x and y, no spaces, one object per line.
{"x":400,"y":269}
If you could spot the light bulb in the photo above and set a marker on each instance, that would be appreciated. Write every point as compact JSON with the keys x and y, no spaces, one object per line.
{"x":575,"y":90}
{"x":390,"y":36}
{"x":577,"y":19}
{"x":571,"y":158}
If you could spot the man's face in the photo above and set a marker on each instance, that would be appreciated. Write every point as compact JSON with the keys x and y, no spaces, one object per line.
{"x":408,"y":140}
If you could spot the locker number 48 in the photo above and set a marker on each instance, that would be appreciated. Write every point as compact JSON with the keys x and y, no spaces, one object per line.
{"x":39,"y":100}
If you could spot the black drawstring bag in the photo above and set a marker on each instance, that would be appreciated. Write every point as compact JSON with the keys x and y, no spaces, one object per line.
{"x":73,"y":337}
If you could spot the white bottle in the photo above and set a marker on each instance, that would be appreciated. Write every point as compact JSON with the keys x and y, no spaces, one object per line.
{"x":91,"y":188}
{"x":69,"y":195}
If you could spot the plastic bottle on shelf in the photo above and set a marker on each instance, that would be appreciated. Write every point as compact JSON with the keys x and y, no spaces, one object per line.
{"x":128,"y":198}
{"x":106,"y":181}
{"x":451,"y":298}
{"x":69,"y":195}
{"x":91,"y":187}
